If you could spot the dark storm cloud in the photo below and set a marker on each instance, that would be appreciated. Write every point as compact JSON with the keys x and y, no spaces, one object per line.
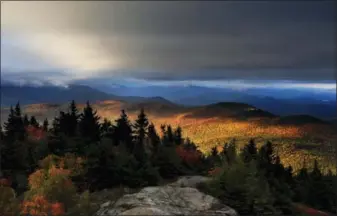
{"x":199,"y":40}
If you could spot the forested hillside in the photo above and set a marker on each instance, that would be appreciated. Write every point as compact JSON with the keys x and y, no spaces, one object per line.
{"x":54,"y":167}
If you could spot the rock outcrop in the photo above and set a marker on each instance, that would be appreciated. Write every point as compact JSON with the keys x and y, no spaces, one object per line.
{"x":173,"y":199}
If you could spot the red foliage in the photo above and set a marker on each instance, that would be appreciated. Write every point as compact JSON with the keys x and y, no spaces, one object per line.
{"x":57,"y":209}
{"x":40,"y":206}
{"x":309,"y":211}
{"x":188,"y":156}
{"x":35,"y":132}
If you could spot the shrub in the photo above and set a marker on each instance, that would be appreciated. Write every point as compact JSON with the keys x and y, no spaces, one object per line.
{"x":39,"y":205}
{"x":241,"y":187}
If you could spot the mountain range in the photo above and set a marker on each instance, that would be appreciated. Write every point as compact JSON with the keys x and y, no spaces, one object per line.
{"x":279,"y":102}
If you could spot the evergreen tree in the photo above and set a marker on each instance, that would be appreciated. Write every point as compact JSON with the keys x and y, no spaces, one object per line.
{"x":214,"y":152}
{"x":141,"y":129}
{"x":106,"y":126}
{"x":33,"y":122}
{"x":170,"y":137}
{"x":25,"y":120}
{"x":123,"y":132}
{"x":14,"y":127}
{"x":164,"y":138}
{"x":177,"y":136}
{"x":12,"y":153}
{"x":229,"y":152}
{"x":72,"y":119}
{"x":265,"y":159}
{"x":89,"y":125}
{"x":45,"y":125}
{"x":153,"y":138}
{"x":249,"y":152}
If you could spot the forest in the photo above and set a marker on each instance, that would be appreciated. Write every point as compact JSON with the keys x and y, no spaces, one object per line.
{"x":53,"y":168}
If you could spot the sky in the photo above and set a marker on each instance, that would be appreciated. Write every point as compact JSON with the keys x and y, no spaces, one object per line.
{"x":64,"y":41}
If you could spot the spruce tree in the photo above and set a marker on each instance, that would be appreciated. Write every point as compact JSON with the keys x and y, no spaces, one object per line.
{"x":72,"y":119}
{"x":170,"y":136}
{"x":249,"y":152}
{"x":33,"y":122}
{"x":123,"y":132}
{"x":153,"y":137}
{"x":89,"y":125}
{"x":25,"y":120}
{"x":140,"y":129}
{"x":106,"y":126}
{"x":10,"y":126}
{"x":14,"y":127}
{"x":178,"y":140}
{"x":45,"y":125}
{"x":214,"y":152}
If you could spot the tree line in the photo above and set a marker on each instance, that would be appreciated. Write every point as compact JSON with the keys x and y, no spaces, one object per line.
{"x":252,"y":180}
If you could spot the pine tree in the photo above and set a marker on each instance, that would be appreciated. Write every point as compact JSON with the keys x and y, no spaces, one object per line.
{"x":45,"y":125}
{"x":33,"y":122}
{"x":20,"y":128}
{"x":10,"y":126}
{"x":14,"y":127}
{"x":153,"y":137}
{"x":123,"y":131}
{"x":170,"y":136}
{"x":25,"y":120}
{"x":89,"y":125}
{"x":229,"y":152}
{"x":178,"y":136}
{"x":106,"y":126}
{"x":214,"y":152}
{"x":249,"y":152}
{"x":14,"y":135}
{"x":72,"y":119}
{"x":141,"y":126}
{"x":141,"y":129}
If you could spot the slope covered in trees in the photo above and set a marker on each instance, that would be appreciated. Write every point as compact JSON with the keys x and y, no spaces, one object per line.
{"x":79,"y":154}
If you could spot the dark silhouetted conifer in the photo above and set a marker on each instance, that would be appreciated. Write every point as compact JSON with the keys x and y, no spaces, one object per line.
{"x":123,"y":132}
{"x":25,"y":120}
{"x":89,"y":125}
{"x":154,"y":139}
{"x":249,"y":151}
{"x":33,"y":122}
{"x":45,"y":125}
{"x":178,"y":140}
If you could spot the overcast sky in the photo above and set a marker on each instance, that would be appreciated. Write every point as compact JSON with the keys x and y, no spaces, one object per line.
{"x":272,"y":40}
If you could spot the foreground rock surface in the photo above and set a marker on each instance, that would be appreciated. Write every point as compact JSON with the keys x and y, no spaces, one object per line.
{"x":167,"y":200}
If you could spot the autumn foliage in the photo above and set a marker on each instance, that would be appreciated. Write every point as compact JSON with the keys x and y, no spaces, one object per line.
{"x":39,"y":205}
{"x":189,"y":156}
{"x":51,"y":191}
{"x":35,"y":133}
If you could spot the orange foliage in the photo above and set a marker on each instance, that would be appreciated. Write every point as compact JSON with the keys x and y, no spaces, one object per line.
{"x":57,"y":209}
{"x":36,"y":179}
{"x":53,"y":171}
{"x":39,"y":205}
{"x":188,"y":156}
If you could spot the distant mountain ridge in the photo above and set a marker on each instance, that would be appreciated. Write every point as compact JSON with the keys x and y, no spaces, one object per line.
{"x":32,"y":94}
{"x":182,"y":95}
